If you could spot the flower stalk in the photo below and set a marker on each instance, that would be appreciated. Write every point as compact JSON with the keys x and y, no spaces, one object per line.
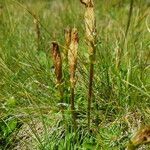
{"x":90,"y":33}
{"x":57,"y":61}
{"x":72,"y":61}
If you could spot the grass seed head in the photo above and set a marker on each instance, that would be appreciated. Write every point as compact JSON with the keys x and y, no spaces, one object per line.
{"x":67,"y":37}
{"x":90,"y":24}
{"x":72,"y":54}
{"x":87,"y":3}
{"x":57,"y":61}
{"x":67,"y":42}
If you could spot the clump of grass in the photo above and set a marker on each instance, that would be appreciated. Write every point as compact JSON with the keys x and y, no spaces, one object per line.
{"x":72,"y":60}
{"x":90,"y":32}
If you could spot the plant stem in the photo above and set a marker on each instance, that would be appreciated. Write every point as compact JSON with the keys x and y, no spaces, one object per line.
{"x":73,"y":108}
{"x":90,"y":93}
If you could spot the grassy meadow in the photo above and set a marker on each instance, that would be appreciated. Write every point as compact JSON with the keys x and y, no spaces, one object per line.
{"x":31,"y":113}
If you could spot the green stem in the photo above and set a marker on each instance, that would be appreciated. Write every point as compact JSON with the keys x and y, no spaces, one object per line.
{"x":60,"y":86}
{"x":90,"y":93}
